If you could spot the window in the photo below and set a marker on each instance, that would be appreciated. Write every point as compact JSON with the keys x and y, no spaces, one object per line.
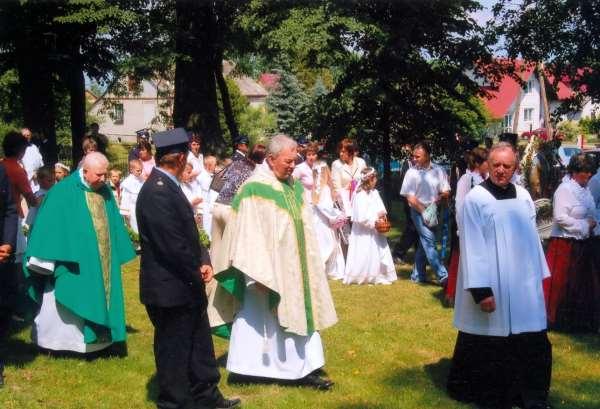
{"x":117,"y":114}
{"x":507,"y":123}
{"x":528,"y":114}
{"x":528,"y":87}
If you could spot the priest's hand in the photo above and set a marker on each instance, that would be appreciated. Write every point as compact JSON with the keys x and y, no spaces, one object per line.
{"x":206,"y":272}
{"x":5,"y":251}
{"x":488,"y":304}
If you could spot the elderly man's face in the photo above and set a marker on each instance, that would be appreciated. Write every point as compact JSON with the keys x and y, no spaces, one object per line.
{"x":95,"y":175}
{"x":502,"y":166}
{"x":283,"y":164}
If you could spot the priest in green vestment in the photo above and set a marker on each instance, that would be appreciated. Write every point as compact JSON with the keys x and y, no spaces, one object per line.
{"x":73,"y":261}
{"x":272,"y":296}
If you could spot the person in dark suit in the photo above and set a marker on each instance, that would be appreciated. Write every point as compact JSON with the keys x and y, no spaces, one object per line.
{"x":174,"y":270}
{"x":8,"y":229}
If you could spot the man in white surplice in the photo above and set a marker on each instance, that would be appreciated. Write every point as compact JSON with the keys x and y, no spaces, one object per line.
{"x":502,"y":355}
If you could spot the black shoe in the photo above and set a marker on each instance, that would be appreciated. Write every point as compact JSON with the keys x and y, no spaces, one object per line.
{"x":315,"y":381}
{"x":223,"y":403}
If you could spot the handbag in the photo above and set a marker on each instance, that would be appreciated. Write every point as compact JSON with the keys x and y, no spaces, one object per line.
{"x":430,"y":215}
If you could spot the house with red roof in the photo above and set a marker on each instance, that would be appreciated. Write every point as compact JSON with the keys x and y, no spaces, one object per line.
{"x":513,"y":103}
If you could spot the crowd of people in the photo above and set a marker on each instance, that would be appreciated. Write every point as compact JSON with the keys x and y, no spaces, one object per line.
{"x":282,"y":221}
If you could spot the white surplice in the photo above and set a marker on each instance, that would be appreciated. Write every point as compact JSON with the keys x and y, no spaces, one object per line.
{"x":259,"y":347}
{"x":325,"y":214}
{"x":500,"y":248}
{"x":369,"y":259}
{"x":55,"y":327}
{"x":130,"y":189}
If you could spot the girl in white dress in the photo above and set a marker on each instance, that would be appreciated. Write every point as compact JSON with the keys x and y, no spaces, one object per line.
{"x":315,"y":176}
{"x":369,"y":258}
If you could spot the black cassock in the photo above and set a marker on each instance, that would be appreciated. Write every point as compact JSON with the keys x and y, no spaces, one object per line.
{"x":499,"y":372}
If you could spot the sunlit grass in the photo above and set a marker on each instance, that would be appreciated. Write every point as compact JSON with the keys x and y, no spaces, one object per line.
{"x":390,"y":349}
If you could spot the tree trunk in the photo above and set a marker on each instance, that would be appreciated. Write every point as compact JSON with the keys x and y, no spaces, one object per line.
{"x":227,"y":110}
{"x":76,"y":83}
{"x":517,"y":113}
{"x":195,"y":105}
{"x":544,"y":96}
{"x":37,"y":95}
{"x":386,"y":151}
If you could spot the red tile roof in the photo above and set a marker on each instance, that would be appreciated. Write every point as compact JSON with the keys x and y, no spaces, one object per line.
{"x":501,"y":98}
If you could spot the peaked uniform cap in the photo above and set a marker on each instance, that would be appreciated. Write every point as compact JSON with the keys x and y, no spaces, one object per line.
{"x":171,"y":141}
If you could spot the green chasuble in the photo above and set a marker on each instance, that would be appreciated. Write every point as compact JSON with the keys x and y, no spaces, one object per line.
{"x":269,"y":238}
{"x":82,"y":231}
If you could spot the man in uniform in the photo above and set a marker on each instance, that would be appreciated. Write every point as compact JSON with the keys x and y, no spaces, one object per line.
{"x":241,"y":146}
{"x":174,"y":270}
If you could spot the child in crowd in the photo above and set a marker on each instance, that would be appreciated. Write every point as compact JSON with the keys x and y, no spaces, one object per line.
{"x":130,"y":189}
{"x":61,"y":171}
{"x":369,"y":258}
{"x":46,"y":179}
{"x":88,"y":145}
{"x":114,"y":182}
{"x":209,"y":196}
{"x":191,"y":190}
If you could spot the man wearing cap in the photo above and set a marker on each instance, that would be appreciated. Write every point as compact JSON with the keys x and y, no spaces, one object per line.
{"x":173,"y":272}
{"x":75,"y":252}
{"x":241,"y":146}
{"x":141,"y":135}
{"x":301,"y":154}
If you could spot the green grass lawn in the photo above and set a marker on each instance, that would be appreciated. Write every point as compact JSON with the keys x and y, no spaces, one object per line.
{"x":390,"y":349}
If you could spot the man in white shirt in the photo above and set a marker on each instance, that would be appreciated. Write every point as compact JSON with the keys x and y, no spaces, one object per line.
{"x":502,"y":356}
{"x":32,"y":160}
{"x":425,"y":185}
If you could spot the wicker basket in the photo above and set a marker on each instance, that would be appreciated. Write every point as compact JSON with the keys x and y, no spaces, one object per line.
{"x":383,"y":225}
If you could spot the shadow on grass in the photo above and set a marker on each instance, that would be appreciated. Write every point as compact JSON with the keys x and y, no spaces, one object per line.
{"x":17,"y":352}
{"x":440,"y":295}
{"x":362,"y":405}
{"x":152,"y":388}
{"x":438,"y":373}
{"x":589,"y":388}
{"x":582,"y":340}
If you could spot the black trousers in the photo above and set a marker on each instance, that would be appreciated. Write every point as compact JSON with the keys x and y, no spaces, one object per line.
{"x":409,"y":237}
{"x":497,"y":372}
{"x":185,"y":358}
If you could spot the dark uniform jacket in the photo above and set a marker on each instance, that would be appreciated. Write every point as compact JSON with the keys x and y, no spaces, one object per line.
{"x":171,"y":249}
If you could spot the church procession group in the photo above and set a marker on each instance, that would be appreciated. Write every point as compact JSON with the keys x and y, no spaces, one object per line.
{"x":282,"y":221}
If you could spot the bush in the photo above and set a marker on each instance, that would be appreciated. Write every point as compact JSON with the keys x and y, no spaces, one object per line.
{"x":570,"y":130}
{"x":590,"y":126}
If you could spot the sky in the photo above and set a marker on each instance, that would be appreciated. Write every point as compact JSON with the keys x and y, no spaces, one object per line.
{"x":483,"y":15}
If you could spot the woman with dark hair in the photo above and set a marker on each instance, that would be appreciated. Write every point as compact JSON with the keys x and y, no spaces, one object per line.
{"x":147,"y":158}
{"x":345,"y":173}
{"x":476,"y":173}
{"x":572,"y":292}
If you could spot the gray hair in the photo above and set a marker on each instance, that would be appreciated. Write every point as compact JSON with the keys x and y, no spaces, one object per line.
{"x":94,"y":160}
{"x":280,"y":142}
{"x":500,"y":146}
